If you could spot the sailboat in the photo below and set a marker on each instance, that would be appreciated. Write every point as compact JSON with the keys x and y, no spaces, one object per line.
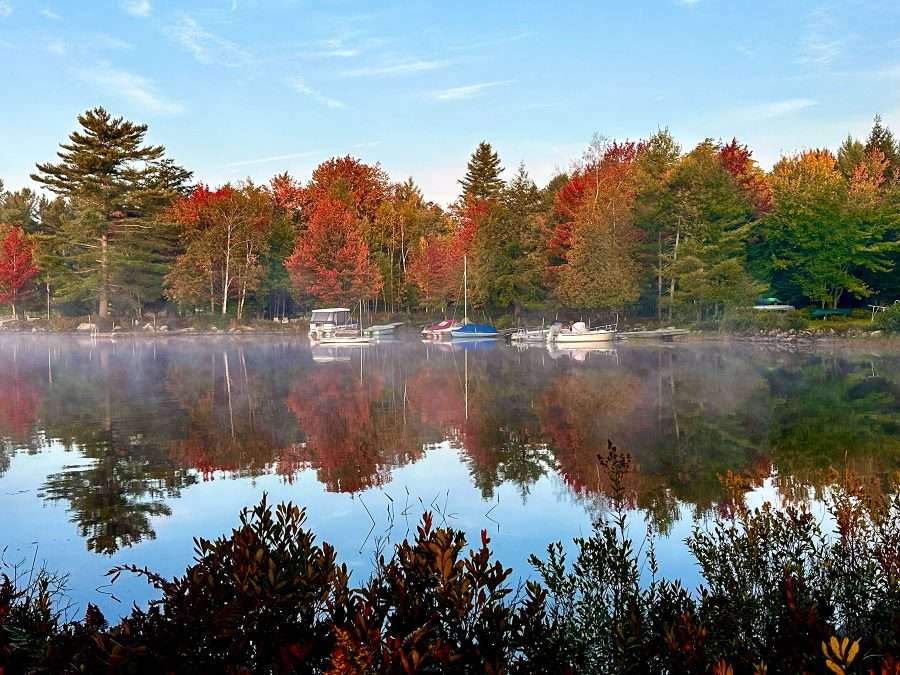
{"x":471,"y":330}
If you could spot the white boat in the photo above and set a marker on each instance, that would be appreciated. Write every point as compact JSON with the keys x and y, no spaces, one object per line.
{"x":328,"y":322}
{"x":344,"y":340}
{"x":533,"y":335}
{"x":579,"y":333}
{"x":382,"y":329}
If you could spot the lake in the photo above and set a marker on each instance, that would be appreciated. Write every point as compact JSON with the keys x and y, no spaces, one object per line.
{"x":122,"y":452}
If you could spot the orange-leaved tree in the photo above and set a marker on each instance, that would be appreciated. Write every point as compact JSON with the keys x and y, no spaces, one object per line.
{"x":330,"y":260}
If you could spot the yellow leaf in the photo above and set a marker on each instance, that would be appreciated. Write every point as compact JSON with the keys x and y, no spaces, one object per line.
{"x":835,"y":646}
{"x":854,"y":650}
{"x":834,"y":667}
{"x":844,"y":644}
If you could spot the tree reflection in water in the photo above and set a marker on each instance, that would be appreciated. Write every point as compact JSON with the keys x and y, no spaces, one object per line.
{"x":146,"y":419}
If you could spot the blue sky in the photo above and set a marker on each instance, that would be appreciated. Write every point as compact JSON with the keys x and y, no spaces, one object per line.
{"x":250,"y":88}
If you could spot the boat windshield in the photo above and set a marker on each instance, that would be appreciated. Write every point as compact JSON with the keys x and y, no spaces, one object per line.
{"x":338,"y":317}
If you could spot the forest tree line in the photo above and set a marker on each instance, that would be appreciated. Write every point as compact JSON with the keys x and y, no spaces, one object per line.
{"x":647,"y":226}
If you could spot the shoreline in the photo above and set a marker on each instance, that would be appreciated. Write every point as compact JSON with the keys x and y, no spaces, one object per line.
{"x":767,"y":337}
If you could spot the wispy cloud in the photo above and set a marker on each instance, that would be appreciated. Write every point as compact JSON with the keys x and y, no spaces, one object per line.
{"x":138,"y":8}
{"x":50,"y":14}
{"x":56,"y":47}
{"x":205,"y":46}
{"x":341,"y":47}
{"x":767,"y":111}
{"x":688,"y":3}
{"x":136,"y":89}
{"x":268,"y":160}
{"x":301,"y":88}
{"x":5,"y":9}
{"x":110,"y":42}
{"x":467,"y":91}
{"x":366,"y":144}
{"x":493,"y":42}
{"x":818,"y":50}
{"x":399,"y":68}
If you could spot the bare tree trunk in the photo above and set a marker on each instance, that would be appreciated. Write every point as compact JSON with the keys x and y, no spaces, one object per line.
{"x":659,"y":278}
{"x":672,"y":284}
{"x":103,"y":309}
{"x":227,"y":280}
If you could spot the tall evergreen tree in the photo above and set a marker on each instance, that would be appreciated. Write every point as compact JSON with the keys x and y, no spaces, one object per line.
{"x":881,"y":138}
{"x":849,"y":155}
{"x":116,"y":187}
{"x":482,"y":179}
{"x":506,"y":259}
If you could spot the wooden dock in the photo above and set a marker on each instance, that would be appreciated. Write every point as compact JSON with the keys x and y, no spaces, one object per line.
{"x":658,"y":334}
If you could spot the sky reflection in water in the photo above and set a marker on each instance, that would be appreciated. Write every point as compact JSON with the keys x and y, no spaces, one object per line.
{"x":122,"y":452}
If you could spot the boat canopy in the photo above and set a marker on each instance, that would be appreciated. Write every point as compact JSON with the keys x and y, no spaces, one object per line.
{"x":337,"y":315}
{"x":579,"y":327}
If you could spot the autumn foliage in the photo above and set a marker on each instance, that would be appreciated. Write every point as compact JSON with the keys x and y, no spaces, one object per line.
{"x":16,"y":265}
{"x":331,"y":260}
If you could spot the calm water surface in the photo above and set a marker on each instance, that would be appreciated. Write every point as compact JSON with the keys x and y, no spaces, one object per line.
{"x":122,"y":452}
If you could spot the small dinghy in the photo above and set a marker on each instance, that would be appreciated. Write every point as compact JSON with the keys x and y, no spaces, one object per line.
{"x":382,"y":330}
{"x":526,"y":335}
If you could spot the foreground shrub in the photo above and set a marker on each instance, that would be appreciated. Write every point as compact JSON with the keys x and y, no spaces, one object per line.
{"x":747,"y":319}
{"x":889,"y":319}
{"x":781,"y":593}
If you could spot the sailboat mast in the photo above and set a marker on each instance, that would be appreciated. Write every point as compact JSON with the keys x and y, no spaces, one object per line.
{"x":465,"y":290}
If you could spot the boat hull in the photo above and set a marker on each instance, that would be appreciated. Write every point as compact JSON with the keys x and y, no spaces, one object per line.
{"x":530,"y":336}
{"x":584,"y":338}
{"x":344,"y":340}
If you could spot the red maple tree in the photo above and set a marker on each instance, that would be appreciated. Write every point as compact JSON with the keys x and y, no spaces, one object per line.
{"x":192,"y":211}
{"x":608,"y":173}
{"x":360,"y":187}
{"x":330,"y":260}
{"x":737,"y":160}
{"x":16,"y":265}
{"x":287,"y":194}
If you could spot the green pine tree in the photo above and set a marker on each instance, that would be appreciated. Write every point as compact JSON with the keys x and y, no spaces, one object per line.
{"x":113,"y":241}
{"x":482,"y":179}
{"x":849,"y":155}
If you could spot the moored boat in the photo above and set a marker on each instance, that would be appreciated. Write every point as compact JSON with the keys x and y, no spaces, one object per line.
{"x":470,"y":330}
{"x":330,"y":321}
{"x":475,"y":330}
{"x":381,"y":330}
{"x":344,"y":340}
{"x":533,"y":335}
{"x":440,"y":329}
{"x":580,"y":333}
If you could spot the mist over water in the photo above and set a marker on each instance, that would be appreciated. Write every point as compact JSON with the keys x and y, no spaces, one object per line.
{"x":114,"y":452}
